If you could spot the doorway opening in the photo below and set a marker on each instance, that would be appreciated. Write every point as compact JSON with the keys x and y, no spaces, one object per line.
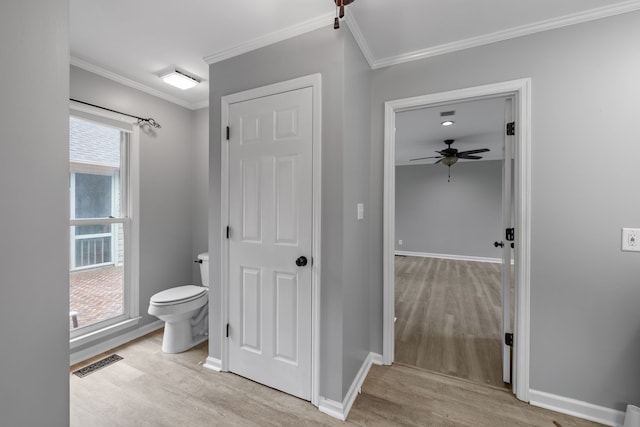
{"x":448,"y":284}
{"x":519,"y":91}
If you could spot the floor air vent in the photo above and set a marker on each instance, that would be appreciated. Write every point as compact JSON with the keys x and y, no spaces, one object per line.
{"x":83,"y":372}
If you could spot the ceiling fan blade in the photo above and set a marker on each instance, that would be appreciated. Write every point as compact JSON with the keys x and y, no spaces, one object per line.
{"x":439,"y":160}
{"x":423,"y":158}
{"x":467,"y":156}
{"x":479,"y":150}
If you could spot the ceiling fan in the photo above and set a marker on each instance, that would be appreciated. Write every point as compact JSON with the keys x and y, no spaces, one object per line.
{"x":449,"y":156}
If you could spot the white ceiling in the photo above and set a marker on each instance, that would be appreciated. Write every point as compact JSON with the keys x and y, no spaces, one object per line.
{"x":477,"y":124}
{"x":132,"y":41}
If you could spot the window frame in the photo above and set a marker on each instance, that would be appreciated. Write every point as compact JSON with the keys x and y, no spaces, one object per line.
{"x":129,"y":218}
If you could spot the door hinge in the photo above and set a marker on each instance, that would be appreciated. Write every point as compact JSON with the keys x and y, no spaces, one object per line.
{"x":509,"y":234}
{"x":228,"y":132}
{"x":511,"y":128}
{"x":228,"y":231}
{"x":508,"y":339}
{"x":227,"y":330}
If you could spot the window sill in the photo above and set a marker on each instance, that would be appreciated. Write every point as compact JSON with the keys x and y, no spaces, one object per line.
{"x":91,"y":337}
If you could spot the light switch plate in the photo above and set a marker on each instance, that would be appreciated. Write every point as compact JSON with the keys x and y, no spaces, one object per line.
{"x":631,"y":239}
{"x":360,"y":209}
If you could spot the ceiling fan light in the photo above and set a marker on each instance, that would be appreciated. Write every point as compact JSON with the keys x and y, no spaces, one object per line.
{"x":448,"y":161}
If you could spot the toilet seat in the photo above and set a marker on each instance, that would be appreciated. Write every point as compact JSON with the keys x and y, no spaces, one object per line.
{"x":178,"y":295}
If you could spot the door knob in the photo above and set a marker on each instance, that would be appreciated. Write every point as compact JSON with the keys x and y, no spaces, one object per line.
{"x":301,"y":261}
{"x":498,"y":244}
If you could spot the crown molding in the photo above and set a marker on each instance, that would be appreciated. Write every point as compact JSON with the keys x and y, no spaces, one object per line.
{"x":271,"y":38}
{"x":135,"y":85}
{"x":536,"y":27}
{"x":200,"y":105}
{"x":325,"y":20}
{"x":362,"y":42}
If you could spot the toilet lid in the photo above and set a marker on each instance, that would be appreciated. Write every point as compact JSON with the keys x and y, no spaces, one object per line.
{"x":179,"y":293}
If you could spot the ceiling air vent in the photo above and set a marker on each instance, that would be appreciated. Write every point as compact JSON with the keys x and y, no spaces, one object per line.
{"x":448,"y":113}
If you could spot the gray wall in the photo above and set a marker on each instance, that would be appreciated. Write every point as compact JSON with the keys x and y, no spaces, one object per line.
{"x":34,"y":188}
{"x":356,"y":233}
{"x":172,"y":183}
{"x":199,"y":187}
{"x":461,"y":217}
{"x":322,"y":51}
{"x":585,"y":293}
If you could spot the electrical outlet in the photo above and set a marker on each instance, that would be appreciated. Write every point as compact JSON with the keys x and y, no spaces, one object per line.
{"x":400,"y":242}
{"x":631,"y":239}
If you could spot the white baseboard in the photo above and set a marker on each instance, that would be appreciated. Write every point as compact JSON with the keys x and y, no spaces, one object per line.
{"x":340,"y":410}
{"x":332,"y":408}
{"x":576,"y":408}
{"x":448,"y":256}
{"x":376,"y":359}
{"x":114,"y":342}
{"x":213,"y":364}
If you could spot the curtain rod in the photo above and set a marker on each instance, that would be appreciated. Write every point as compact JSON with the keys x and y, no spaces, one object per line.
{"x":141,"y":120}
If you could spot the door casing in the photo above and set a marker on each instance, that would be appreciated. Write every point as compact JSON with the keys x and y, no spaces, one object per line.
{"x":313,"y":81}
{"x":507,"y":222}
{"x":521,"y":92}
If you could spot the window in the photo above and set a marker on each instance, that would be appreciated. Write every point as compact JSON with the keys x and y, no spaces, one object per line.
{"x":103,"y":229}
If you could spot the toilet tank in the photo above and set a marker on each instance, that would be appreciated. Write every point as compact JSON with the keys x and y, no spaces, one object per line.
{"x":204,"y":268}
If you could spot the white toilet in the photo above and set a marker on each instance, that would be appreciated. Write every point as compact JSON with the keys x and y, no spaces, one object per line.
{"x":184,"y":309}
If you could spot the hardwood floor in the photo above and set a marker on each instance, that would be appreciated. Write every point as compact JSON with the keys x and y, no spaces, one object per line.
{"x":449,"y":317}
{"x":151,"y":388}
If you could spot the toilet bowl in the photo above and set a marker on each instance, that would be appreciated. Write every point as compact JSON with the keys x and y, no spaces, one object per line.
{"x":184,"y":309}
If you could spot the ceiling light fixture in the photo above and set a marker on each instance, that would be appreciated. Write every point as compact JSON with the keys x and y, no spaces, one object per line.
{"x":449,"y":161}
{"x":447,"y":123}
{"x":179,"y":79}
{"x":340,"y":4}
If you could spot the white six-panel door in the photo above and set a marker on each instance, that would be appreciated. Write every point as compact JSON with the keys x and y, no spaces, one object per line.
{"x":270,"y":220}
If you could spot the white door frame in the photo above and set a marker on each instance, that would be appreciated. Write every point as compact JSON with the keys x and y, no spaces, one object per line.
{"x":521,"y":90}
{"x":313,"y":81}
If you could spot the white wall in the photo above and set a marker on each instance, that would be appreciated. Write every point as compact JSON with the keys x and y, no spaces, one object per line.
{"x":173,"y":183}
{"x":585,"y":292}
{"x":34,"y":219}
{"x":462,"y":217}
